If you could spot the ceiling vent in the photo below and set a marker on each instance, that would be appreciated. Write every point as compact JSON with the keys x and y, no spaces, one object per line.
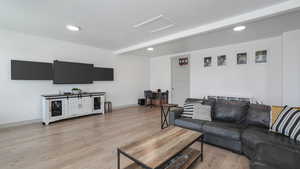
{"x":155,"y":24}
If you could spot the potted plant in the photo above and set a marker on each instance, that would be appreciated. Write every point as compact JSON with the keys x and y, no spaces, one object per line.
{"x":76,"y":91}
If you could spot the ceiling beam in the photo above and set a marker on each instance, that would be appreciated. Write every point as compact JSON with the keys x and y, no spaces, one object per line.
{"x":251,"y":16}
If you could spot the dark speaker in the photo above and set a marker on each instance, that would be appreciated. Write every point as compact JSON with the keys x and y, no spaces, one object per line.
{"x":142,"y":102}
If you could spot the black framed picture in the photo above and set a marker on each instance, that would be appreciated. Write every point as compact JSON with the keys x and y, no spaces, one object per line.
{"x":241,"y":58}
{"x":261,"y":56}
{"x":183,"y":61}
{"x":222,"y":60}
{"x":207,"y":61}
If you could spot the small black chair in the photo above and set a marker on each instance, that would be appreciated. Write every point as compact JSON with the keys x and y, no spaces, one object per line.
{"x":165,"y":97}
{"x":149,"y":96}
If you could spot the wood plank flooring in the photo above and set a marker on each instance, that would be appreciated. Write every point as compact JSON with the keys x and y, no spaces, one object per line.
{"x":156,"y":149}
{"x":91,"y":143}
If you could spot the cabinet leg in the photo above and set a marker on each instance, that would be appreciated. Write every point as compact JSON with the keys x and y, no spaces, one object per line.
{"x":118,"y":159}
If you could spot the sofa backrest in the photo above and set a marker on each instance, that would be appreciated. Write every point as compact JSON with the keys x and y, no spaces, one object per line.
{"x":236,"y":110}
{"x":193,"y":100}
{"x":230,"y":111}
{"x":258,"y":115}
{"x":229,"y":98}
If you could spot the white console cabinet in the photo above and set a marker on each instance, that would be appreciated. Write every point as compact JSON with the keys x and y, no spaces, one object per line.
{"x":59,"y":107}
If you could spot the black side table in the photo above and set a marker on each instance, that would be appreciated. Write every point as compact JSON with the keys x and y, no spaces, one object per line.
{"x":165,"y":110}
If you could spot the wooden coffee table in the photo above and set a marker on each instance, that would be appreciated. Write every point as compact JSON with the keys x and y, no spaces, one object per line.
{"x":155,"y":151}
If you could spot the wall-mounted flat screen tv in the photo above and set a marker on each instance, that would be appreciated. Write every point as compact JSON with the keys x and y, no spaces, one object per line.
{"x":72,"y":73}
{"x":27,"y":70}
{"x":103,"y":74}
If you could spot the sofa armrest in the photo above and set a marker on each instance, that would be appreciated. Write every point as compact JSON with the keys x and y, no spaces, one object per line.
{"x":280,"y":156}
{"x":175,"y":114}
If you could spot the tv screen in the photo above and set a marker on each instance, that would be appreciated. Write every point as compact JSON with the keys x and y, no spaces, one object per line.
{"x":26,"y":70}
{"x":72,"y":73}
{"x":103,"y":74}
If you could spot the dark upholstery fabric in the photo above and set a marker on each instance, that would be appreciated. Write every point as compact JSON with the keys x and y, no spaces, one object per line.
{"x":233,"y":145}
{"x":210,"y":102}
{"x":258,"y":165}
{"x":189,"y":123}
{"x":252,"y":136}
{"x":265,"y":146}
{"x":258,"y":115}
{"x":243,"y":128}
{"x":248,"y":151}
{"x":231,"y":111}
{"x":226,"y":130}
{"x":279,"y":155}
{"x":193,"y":100}
{"x":175,"y":114}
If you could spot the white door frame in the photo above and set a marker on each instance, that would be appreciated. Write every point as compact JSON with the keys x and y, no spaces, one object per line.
{"x":189,"y":76}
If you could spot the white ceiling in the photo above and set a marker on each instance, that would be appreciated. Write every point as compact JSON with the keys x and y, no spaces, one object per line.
{"x":269,"y":27}
{"x":109,"y":23}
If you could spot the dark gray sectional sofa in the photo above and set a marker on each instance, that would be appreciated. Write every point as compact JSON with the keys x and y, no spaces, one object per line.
{"x":243,"y":128}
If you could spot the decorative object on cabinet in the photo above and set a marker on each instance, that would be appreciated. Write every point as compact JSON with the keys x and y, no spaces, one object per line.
{"x":76,"y":91}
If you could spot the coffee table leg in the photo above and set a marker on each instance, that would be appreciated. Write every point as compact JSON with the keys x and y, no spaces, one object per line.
{"x":161,"y":117}
{"x":164,"y":117}
{"x":202,"y":148}
{"x":118,"y":159}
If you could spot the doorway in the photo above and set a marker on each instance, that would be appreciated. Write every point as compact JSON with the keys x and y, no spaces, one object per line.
{"x":180,"y":80}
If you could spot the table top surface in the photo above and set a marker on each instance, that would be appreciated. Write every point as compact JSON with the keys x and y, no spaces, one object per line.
{"x":154,"y":150}
{"x":169,"y":105}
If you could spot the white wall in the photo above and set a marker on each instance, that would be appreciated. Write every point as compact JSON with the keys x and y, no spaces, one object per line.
{"x":262,"y":81}
{"x":160,"y":73}
{"x":20,"y":100}
{"x":291,"y":68}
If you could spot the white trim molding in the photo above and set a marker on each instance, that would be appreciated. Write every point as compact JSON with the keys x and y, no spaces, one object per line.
{"x":247,"y":17}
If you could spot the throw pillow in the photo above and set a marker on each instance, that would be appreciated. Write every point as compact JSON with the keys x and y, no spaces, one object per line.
{"x":202,"y":112}
{"x":188,"y":110}
{"x":275,"y":112}
{"x":288,"y":123}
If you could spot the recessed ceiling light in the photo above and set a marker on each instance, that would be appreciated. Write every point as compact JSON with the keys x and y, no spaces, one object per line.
{"x":239,"y":28}
{"x":150,"y":49}
{"x":73,"y":28}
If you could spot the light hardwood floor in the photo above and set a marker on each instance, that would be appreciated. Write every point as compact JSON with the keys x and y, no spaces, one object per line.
{"x":91,"y":143}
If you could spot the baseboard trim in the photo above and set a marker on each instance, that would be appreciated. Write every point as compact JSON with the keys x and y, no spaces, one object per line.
{"x":15,"y":124}
{"x":21,"y":123}
{"x":124,"y":106}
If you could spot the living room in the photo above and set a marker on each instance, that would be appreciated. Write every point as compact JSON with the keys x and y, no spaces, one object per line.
{"x":244,"y":53}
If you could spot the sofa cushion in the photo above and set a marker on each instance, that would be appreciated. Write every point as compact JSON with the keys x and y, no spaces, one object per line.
{"x":259,"y":165}
{"x":188,"y":110}
{"x":189,"y":123}
{"x":288,"y":123}
{"x":226,"y":130}
{"x":202,"y":112}
{"x":230,"y":111}
{"x":275,"y":112}
{"x":252,"y":136}
{"x":280,"y":156}
{"x":258,"y":115}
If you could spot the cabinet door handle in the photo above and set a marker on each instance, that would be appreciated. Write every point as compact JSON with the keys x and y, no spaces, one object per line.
{"x":49,"y":106}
